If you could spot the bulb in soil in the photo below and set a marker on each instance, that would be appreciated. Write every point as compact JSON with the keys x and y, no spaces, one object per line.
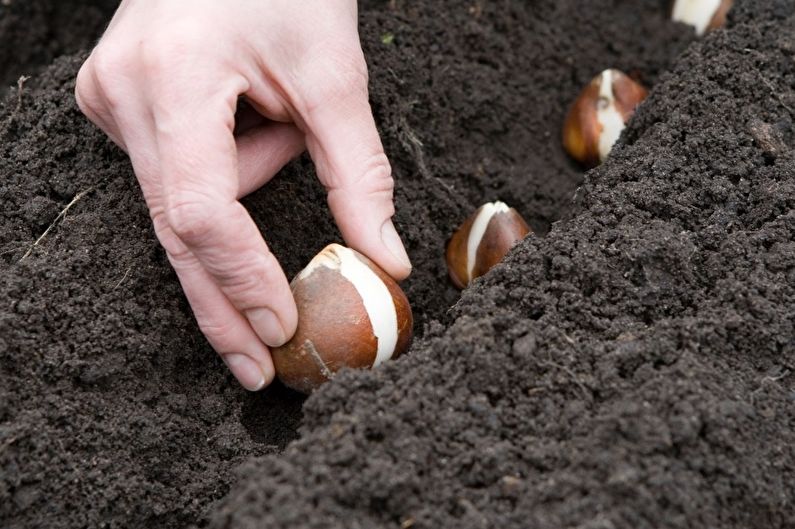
{"x":482,"y":241}
{"x":599,"y":115}
{"x":703,"y":15}
{"x":350,"y":314}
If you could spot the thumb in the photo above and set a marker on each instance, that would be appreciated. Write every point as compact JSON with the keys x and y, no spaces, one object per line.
{"x":344,"y":144}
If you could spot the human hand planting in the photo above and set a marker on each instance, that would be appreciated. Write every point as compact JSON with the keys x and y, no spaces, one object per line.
{"x":164,"y":83}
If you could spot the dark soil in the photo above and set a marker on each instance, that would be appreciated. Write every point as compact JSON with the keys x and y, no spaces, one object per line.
{"x":634,"y":367}
{"x":34,"y":32}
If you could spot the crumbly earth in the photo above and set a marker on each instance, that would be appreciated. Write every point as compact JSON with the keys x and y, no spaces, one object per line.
{"x":34,"y":32}
{"x":631,"y":366}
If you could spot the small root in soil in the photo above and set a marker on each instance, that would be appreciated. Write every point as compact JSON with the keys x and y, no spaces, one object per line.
{"x":413,"y":145}
{"x":60,"y":216}
{"x":123,"y":279}
{"x":20,"y":87}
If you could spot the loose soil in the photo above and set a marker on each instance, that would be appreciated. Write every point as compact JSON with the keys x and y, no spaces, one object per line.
{"x":632,"y":365}
{"x":34,"y":32}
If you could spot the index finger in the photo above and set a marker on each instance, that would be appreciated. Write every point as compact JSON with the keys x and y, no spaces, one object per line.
{"x":344,"y":144}
{"x":198,"y":161}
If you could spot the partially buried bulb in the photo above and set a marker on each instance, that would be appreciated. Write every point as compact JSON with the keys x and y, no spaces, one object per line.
{"x":350,"y":314}
{"x":599,"y":115}
{"x":482,"y":241}
{"x":703,"y":15}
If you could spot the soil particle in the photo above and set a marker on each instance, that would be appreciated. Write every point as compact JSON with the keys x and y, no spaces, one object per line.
{"x":632,"y":368}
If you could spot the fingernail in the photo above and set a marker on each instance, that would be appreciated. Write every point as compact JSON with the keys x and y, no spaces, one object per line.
{"x":246,"y":371}
{"x":391,"y":239}
{"x":267,"y":326}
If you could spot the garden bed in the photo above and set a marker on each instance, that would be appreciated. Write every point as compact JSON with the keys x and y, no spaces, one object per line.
{"x":632,"y":365}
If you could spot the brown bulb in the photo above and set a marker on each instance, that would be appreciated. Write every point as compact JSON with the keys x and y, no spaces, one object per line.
{"x":598,"y":116}
{"x":703,"y":15}
{"x":350,"y":314}
{"x":482,"y":241}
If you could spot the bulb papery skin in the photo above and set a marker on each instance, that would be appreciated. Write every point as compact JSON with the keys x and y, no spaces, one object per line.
{"x":703,"y":15}
{"x":350,"y":314}
{"x":599,"y":115}
{"x":482,"y":241}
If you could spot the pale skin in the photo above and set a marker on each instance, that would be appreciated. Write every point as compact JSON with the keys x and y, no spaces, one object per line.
{"x":164,"y":82}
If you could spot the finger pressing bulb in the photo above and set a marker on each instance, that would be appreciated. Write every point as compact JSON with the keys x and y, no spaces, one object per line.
{"x":350,"y":314}
{"x":703,"y":15}
{"x":483,"y":241}
{"x":599,"y":115}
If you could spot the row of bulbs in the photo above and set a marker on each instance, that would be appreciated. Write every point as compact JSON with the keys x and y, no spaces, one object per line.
{"x":352,"y":314}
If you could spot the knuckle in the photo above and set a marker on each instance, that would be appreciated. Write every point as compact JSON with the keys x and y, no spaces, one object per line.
{"x":106,"y":60}
{"x":376,"y":176}
{"x":246,"y":283}
{"x":107,"y":71}
{"x":110,"y":60}
{"x":373,"y":182}
{"x":85,"y":91}
{"x":179,"y":255}
{"x":190,"y":216}
{"x":220,"y":334}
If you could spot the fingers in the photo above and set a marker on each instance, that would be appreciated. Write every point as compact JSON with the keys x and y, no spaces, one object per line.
{"x":350,"y":160}
{"x":233,"y":283}
{"x":263,"y":150}
{"x":198,"y":165}
{"x":168,"y":96}
{"x":226,"y":329}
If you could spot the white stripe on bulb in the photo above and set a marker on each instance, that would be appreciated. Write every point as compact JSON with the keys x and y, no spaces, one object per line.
{"x":478,"y":230}
{"x":376,"y":298}
{"x":696,"y":13}
{"x":608,"y":116}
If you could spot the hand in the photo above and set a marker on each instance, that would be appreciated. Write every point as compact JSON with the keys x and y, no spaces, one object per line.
{"x":164,"y":83}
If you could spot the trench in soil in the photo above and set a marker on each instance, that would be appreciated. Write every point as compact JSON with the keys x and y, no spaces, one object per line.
{"x":450,"y":150}
{"x":469,"y":98}
{"x":519,"y":161}
{"x":453,"y":104}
